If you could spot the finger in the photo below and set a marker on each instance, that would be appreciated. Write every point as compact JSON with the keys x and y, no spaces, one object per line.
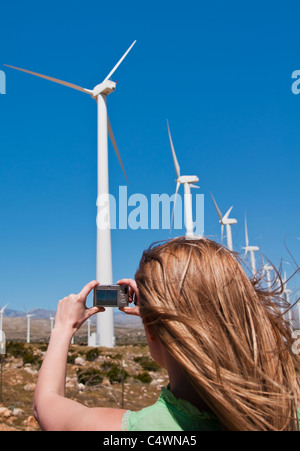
{"x":130,"y":282}
{"x":93,"y":310}
{"x":131,"y":310}
{"x":87,"y":289}
{"x":132,"y":286}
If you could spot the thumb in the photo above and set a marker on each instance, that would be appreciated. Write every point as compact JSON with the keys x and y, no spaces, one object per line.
{"x":93,"y":310}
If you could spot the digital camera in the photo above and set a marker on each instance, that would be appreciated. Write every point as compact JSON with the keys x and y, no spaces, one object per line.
{"x":111,"y":296}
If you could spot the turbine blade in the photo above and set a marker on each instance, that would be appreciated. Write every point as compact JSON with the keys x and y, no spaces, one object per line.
{"x":177,"y":167}
{"x":217,"y":208}
{"x":61,"y":82}
{"x":222,"y":233}
{"x":194,"y":186}
{"x":112,"y":138}
{"x":176,"y":192}
{"x":228,"y":213}
{"x":119,"y":62}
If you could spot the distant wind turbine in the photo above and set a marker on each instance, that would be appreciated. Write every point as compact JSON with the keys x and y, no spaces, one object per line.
{"x":105,"y":325}
{"x":1,"y":316}
{"x":188,"y":181}
{"x":88,"y":329}
{"x":225,"y":221}
{"x":267,"y":269}
{"x":51,"y":322}
{"x":250,"y":249}
{"x":28,"y":316}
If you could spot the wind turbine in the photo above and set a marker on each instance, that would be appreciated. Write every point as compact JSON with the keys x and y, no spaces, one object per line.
{"x":1,"y":316}
{"x":267,"y":269}
{"x":105,"y":324}
{"x":225,"y":221}
{"x":28,"y":316}
{"x":51,"y":322}
{"x":188,"y":182}
{"x":251,"y":249}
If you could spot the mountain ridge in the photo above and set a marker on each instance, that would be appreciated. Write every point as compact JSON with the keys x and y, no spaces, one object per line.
{"x":120,"y":318}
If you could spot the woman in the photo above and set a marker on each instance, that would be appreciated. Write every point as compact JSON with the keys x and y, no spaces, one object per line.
{"x":222,"y":340}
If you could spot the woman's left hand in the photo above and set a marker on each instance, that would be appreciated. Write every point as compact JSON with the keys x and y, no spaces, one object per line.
{"x":72,"y":311}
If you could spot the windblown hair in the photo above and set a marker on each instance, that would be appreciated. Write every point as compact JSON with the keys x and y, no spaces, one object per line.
{"x":225,"y":331}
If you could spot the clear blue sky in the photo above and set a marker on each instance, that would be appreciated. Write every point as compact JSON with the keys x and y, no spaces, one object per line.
{"x":219,"y":71}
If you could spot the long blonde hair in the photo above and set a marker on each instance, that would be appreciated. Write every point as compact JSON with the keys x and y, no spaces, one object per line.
{"x":226,"y":333}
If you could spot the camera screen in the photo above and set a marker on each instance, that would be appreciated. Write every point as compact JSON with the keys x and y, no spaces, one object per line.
{"x":108,"y":297}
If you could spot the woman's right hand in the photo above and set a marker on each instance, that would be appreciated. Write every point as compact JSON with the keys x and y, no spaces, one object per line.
{"x":133,"y":293}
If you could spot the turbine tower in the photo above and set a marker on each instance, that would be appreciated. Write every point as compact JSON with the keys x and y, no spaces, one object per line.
{"x":28,"y":316}
{"x":225,"y":221}
{"x":250,"y":249}
{"x":188,"y":182}
{"x":105,"y":324}
{"x":1,"y":316}
{"x":88,"y":330}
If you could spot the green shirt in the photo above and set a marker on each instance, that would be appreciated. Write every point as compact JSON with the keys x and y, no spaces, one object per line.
{"x":170,"y":414}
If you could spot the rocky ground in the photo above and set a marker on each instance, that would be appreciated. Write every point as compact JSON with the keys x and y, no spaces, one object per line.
{"x":94,"y":378}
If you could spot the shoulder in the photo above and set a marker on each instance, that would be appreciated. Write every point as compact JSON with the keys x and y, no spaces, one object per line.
{"x":102,"y":419}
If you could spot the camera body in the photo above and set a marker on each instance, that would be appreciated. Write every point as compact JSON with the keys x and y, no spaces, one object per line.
{"x":111,"y":296}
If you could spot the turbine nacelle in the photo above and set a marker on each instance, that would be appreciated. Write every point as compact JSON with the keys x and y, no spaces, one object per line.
{"x":251,"y":248}
{"x":228,"y":221}
{"x":187,"y":179}
{"x":105,"y":88}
